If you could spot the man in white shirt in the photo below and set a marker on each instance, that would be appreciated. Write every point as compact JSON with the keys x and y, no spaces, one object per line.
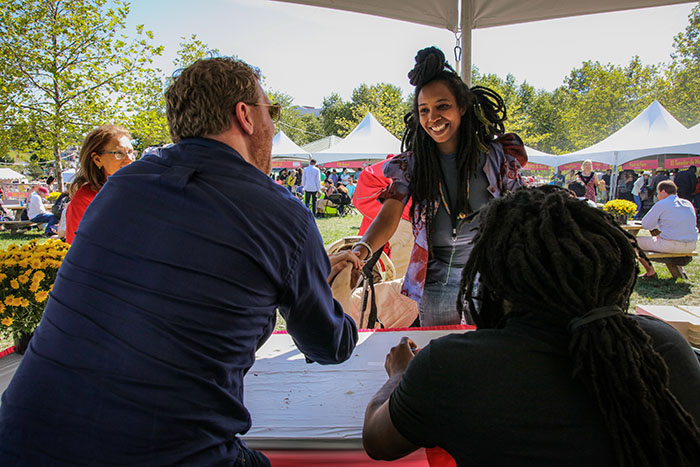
{"x":675,"y":218}
{"x":311,"y":181}
{"x":37,"y":212}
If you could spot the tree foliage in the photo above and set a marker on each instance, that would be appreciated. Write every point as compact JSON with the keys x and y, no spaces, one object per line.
{"x":384,"y":101}
{"x":67,"y":66}
{"x":148,"y":121}
{"x":683,"y":75}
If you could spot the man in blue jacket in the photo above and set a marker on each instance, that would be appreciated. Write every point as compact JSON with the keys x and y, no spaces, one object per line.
{"x":172,"y":283}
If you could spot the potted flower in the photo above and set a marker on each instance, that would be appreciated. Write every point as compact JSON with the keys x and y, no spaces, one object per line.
{"x":27,"y":274}
{"x":621,"y":209}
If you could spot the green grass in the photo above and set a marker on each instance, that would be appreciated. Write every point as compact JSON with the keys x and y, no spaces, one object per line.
{"x":334,"y":228}
{"x":665,"y":291}
{"x":20,"y":238}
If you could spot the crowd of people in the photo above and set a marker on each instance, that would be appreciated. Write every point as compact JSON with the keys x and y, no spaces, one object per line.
{"x":155,"y":317}
{"x":638,"y":187}
{"x":315,"y":187}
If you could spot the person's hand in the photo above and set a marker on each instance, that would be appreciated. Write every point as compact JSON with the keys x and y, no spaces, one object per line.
{"x":400,"y":356}
{"x":340,"y":260}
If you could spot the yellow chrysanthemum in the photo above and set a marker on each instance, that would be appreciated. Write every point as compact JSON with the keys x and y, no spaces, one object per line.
{"x":6,"y":321}
{"x":34,"y":287}
{"x":14,"y":284}
{"x":9,"y":300}
{"x":23,"y":278}
{"x":39,"y":276}
{"x":35,"y":263}
{"x":41,"y":296}
{"x":3,"y":276}
{"x":17,"y":301}
{"x":23,"y":263}
{"x":24,"y":303}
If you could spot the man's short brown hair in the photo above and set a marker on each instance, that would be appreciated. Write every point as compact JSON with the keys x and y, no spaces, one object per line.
{"x":667,"y":186}
{"x":202,"y":98}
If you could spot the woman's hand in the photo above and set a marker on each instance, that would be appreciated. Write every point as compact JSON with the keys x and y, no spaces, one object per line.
{"x":400,"y":356}
{"x":340,"y":260}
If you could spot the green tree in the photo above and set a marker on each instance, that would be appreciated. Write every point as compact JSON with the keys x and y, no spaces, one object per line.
{"x":384,"y":101}
{"x":333,"y":111}
{"x":683,"y":74}
{"x":300,"y":128}
{"x":148,"y":121}
{"x":600,"y":99}
{"x":70,"y":64}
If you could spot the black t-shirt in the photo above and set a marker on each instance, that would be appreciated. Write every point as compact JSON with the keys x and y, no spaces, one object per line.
{"x":507,"y":397}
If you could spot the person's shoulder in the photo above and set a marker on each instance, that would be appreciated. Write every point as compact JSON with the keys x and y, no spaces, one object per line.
{"x":512,"y":146}
{"x":398,"y":163}
{"x":664,"y":336}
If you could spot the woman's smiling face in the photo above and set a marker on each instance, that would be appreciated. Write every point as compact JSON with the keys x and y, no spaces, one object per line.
{"x":440,"y":116}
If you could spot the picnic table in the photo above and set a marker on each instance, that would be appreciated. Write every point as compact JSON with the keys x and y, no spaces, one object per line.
{"x":310,"y":414}
{"x":673,"y":261}
{"x":15,"y":226}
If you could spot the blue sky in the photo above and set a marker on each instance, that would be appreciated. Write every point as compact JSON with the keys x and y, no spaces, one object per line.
{"x":310,"y":52}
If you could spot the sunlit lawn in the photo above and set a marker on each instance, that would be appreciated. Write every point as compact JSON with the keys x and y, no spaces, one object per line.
{"x":665,"y":291}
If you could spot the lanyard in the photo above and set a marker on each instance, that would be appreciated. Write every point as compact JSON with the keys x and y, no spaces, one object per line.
{"x":451,"y":210}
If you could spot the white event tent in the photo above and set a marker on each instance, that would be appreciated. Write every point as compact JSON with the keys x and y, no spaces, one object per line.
{"x":465,"y":15}
{"x":654,"y":131}
{"x":284,"y":149}
{"x":538,"y":157}
{"x":369,"y":141}
{"x":9,"y":174}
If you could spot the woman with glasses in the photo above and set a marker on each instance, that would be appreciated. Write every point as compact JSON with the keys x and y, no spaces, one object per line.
{"x":105,"y":150}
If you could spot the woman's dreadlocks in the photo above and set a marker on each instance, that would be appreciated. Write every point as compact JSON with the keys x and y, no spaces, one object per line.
{"x":481,"y":123}
{"x":540,"y":251}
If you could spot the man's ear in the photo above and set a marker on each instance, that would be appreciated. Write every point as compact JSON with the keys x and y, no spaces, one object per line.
{"x":243,"y":117}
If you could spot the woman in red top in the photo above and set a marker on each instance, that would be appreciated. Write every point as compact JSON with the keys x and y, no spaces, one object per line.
{"x":105,"y":150}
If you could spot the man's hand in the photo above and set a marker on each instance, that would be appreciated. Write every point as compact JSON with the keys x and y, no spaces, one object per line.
{"x":400,"y":356}
{"x":340,"y":260}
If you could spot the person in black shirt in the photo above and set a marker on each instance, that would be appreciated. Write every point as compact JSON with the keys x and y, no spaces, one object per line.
{"x":686,"y":181}
{"x":538,"y":382}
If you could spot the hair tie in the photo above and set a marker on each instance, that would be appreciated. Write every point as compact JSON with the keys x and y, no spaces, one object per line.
{"x":593,"y":315}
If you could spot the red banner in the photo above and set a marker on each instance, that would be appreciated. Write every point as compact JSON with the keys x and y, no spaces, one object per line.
{"x":345,"y":164}
{"x":641,"y":165}
{"x":531,"y":166}
{"x":597,"y":166}
{"x":682,"y":162}
{"x":286,"y":164}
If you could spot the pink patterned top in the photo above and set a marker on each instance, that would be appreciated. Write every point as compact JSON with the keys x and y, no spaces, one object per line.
{"x":506,"y":157}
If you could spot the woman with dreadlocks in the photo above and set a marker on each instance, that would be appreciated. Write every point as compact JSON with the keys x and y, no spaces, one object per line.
{"x":557,"y":373}
{"x":456,"y":158}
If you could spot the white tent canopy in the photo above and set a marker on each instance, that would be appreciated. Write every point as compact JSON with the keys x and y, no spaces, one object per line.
{"x":369,"y":140}
{"x":694,"y":132}
{"x":654,"y":131}
{"x":9,"y":174}
{"x":285,"y":149}
{"x":538,"y":157}
{"x":465,"y":15}
{"x":67,"y":175}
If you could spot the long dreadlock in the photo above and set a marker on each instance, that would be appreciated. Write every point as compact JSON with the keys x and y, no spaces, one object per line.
{"x":481,"y":123}
{"x":538,"y":249}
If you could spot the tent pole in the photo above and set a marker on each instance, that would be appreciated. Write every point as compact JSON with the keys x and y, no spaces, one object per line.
{"x":466,"y":28}
{"x":615,"y":176}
